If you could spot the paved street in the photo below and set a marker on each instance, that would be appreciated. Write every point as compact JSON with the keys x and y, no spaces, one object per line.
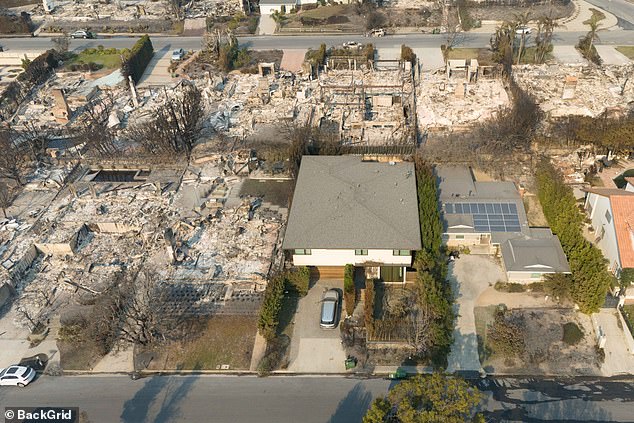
{"x":248,"y":399}
{"x":622,"y":9}
{"x":282,"y":42}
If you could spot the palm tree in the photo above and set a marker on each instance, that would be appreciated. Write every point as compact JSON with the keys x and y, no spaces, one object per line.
{"x":543,"y":39}
{"x":592,"y":35}
{"x":521,"y":21}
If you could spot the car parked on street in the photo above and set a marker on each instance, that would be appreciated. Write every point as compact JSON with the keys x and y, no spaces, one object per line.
{"x":178,"y":55}
{"x":351,"y":44}
{"x":523,"y":30}
{"x":16,"y":376}
{"x":82,"y":33}
{"x":329,"y":309}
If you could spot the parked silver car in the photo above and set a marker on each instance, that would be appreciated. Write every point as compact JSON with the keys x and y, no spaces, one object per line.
{"x":178,"y":55}
{"x":82,"y":33}
{"x":329,"y":309}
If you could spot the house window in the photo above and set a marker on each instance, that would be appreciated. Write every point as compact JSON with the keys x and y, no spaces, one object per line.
{"x":459,"y":236}
{"x":608,"y":216}
{"x":536,"y":275}
{"x":360,"y":252}
{"x":303,"y":252}
{"x":400,"y":252}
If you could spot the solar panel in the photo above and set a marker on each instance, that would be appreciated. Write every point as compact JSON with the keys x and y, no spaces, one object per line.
{"x":488,"y":217}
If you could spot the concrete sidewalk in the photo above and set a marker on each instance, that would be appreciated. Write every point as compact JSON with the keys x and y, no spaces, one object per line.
{"x":618,"y":359}
{"x":568,"y":55}
{"x":610,"y":56}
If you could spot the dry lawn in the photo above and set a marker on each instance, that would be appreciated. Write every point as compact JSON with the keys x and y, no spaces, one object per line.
{"x":627,"y":51}
{"x":534,"y":211}
{"x":545,"y":351}
{"x":223,"y":340}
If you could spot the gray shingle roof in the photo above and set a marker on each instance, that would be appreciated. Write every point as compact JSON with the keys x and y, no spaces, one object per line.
{"x":534,"y":255}
{"x":341,"y":202}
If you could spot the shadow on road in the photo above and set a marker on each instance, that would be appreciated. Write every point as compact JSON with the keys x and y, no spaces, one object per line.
{"x":161,"y":393}
{"x":353,"y":407}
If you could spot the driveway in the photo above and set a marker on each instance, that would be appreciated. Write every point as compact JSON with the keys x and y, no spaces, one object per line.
{"x":610,"y":56}
{"x":314,"y":349}
{"x":618,"y":359}
{"x":157,"y":72}
{"x":266,"y":25}
{"x":470,"y":276}
{"x":568,"y":55}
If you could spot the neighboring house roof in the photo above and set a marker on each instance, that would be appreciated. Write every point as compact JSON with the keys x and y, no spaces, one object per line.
{"x":274,"y":2}
{"x":607,"y":192}
{"x":456,"y":185}
{"x":341,"y":202}
{"x":536,"y":255}
{"x":623,"y":217}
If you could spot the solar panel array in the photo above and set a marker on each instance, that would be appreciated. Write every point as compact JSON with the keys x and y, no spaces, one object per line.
{"x":488,"y":217}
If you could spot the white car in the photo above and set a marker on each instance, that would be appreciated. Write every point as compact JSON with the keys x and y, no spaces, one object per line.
{"x":351,"y":44}
{"x":16,"y":376}
{"x":523,"y":30}
{"x":178,"y":55}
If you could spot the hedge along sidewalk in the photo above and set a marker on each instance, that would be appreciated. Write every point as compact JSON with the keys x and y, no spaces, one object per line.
{"x":140,"y":56}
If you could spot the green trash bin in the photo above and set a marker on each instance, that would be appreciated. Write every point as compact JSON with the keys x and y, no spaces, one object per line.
{"x":351,"y":363}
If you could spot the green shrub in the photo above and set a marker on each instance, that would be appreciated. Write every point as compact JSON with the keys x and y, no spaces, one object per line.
{"x":590,"y":279}
{"x":298,"y":280}
{"x":535,"y":287}
{"x":407,"y":54}
{"x":506,"y":336}
{"x":572,"y":334}
{"x":349,"y":290}
{"x":627,"y":276}
{"x":271,"y":305}
{"x":368,"y":310}
{"x":137,"y":59}
{"x":274,"y":355}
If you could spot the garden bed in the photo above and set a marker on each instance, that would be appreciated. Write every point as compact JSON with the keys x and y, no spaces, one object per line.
{"x":536,"y":341}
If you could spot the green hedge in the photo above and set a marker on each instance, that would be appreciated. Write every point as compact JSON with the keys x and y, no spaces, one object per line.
{"x":298,"y":279}
{"x":349,"y":291}
{"x":369,"y":307}
{"x":136,"y":61}
{"x":270,"y":311}
{"x":590,"y":278}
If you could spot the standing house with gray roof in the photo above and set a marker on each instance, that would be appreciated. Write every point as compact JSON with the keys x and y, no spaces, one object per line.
{"x":349,"y":211}
{"x":489,"y":217}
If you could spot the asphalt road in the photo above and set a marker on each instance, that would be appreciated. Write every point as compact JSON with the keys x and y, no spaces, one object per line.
{"x":622,"y":9}
{"x":248,"y":399}
{"x":305,"y":41}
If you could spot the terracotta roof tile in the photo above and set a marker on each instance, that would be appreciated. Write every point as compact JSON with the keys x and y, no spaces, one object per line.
{"x":623,"y":214}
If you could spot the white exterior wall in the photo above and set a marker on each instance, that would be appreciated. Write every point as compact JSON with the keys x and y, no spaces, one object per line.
{"x":629,"y":187}
{"x":452,"y":240}
{"x":343,"y":257}
{"x":269,"y":9}
{"x":607,"y":244}
{"x":526,"y":277}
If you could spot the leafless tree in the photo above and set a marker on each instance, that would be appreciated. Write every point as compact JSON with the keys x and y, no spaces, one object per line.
{"x":93,"y":130}
{"x":13,"y":159}
{"x":139,"y":305}
{"x":5,"y":198}
{"x":176,"y":125}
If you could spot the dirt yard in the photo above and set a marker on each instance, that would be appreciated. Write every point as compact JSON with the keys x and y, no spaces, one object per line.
{"x":534,"y":211}
{"x":559,"y":9}
{"x":544,"y":350}
{"x":223,"y":340}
